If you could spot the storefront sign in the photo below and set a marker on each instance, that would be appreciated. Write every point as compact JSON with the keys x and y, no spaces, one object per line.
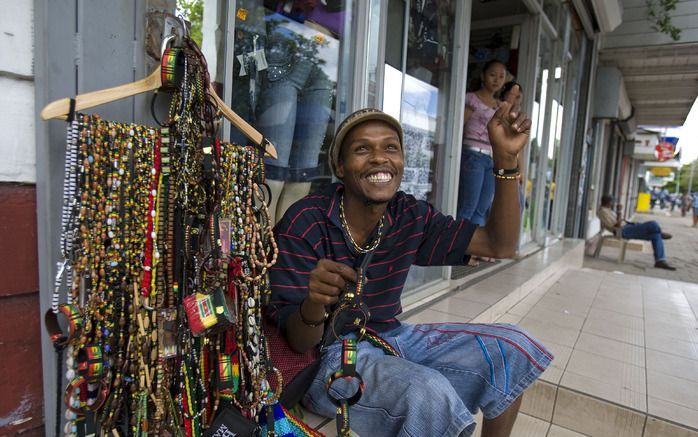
{"x":661,"y":171}
{"x":666,"y":149}
{"x":644,"y":146}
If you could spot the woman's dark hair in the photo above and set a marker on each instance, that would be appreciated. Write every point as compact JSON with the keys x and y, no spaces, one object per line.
{"x":507,"y":87}
{"x":491,"y":63}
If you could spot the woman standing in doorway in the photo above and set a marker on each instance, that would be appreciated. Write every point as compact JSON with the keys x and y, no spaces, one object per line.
{"x":476,"y":188}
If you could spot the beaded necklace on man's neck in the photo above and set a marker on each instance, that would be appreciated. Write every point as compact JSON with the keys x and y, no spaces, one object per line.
{"x":370,"y":245}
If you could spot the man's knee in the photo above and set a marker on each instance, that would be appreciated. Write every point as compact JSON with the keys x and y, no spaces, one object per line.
{"x":432,"y":383}
{"x":654,"y":226}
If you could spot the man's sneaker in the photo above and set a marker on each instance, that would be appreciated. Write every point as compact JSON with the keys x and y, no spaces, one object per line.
{"x":666,"y":235}
{"x":664,"y":265}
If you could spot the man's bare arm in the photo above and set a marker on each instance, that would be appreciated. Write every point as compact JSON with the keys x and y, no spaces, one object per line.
{"x":508,"y":135}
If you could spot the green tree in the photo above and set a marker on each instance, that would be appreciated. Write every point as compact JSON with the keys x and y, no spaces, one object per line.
{"x":193,"y":11}
{"x":659,"y":14}
{"x":684,"y":176}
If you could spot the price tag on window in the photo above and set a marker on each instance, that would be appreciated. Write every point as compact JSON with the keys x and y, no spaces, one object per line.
{"x":242,"y":14}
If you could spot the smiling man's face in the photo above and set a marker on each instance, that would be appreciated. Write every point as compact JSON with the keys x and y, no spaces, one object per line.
{"x":371,"y":162}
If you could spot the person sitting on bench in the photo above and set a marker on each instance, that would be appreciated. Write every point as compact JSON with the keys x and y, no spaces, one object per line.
{"x":651,"y":231}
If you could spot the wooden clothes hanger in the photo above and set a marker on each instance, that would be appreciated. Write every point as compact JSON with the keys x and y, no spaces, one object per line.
{"x":61,"y":108}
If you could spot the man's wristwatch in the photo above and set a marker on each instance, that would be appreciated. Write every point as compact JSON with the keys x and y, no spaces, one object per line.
{"x":310,"y":323}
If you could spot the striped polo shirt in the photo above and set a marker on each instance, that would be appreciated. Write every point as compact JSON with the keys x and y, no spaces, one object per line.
{"x":414,"y":233}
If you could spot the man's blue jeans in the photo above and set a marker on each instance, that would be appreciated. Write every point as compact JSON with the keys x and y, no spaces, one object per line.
{"x":647,"y":231}
{"x":476,"y":188}
{"x":446,"y":372}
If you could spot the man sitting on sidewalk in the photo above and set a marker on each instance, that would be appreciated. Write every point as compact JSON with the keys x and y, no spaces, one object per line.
{"x":612,"y":221}
{"x":445,"y":372}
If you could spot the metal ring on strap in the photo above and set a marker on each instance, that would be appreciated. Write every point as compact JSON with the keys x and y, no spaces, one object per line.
{"x":361,"y":325}
{"x":353,"y":398}
{"x":272,"y":397}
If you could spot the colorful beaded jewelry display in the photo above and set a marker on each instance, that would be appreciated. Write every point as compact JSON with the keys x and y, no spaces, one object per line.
{"x":150,"y":218}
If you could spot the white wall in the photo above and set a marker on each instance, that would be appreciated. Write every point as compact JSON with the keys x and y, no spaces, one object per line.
{"x":636,"y":31}
{"x":17,"y":137}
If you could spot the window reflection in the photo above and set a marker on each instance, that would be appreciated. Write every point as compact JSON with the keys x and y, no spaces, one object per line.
{"x":416,"y":90}
{"x":417,"y":87}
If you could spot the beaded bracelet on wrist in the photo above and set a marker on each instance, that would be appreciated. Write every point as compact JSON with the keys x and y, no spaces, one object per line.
{"x":508,"y":177}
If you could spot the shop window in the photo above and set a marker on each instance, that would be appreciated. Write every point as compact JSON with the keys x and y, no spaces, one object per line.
{"x":286,"y":70}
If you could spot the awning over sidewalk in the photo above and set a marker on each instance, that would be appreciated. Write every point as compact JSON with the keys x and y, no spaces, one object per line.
{"x":661,"y":81}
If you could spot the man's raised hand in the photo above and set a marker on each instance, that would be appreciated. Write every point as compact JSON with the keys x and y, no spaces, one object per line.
{"x":508,"y":131}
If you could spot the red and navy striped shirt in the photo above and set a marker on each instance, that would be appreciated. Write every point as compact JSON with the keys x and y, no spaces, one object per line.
{"x":414,"y":233}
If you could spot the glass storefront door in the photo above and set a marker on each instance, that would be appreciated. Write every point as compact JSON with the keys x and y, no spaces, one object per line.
{"x":539,"y":127}
{"x":572,"y":114}
{"x":416,"y":90}
{"x":552,"y":149}
{"x":546,"y":138}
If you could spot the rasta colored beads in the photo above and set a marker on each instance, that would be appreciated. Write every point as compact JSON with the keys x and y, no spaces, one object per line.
{"x":155,"y":220}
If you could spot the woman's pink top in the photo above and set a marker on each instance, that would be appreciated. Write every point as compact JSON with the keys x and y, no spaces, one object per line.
{"x":475,"y":132}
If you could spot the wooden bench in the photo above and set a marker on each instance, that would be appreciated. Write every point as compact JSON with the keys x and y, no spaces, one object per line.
{"x":623,"y":244}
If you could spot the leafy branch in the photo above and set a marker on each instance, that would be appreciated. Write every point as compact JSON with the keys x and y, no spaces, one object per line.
{"x":658,"y":14}
{"x":192,"y":10}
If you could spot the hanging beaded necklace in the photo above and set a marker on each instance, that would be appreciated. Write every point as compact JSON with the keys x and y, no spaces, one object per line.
{"x":68,"y":214}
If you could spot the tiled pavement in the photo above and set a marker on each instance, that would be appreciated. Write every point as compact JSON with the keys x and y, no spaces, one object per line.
{"x":626,"y":352}
{"x":625,"y":336}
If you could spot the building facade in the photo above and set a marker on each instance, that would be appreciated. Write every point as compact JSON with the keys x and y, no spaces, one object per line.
{"x":656,"y":79}
{"x":415,"y":60}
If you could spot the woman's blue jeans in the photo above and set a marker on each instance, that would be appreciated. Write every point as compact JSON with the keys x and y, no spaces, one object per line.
{"x":647,"y":231}
{"x":294,"y":108}
{"x":476,"y":188}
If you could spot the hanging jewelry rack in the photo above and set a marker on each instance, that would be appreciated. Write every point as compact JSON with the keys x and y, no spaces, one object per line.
{"x":166,"y":244}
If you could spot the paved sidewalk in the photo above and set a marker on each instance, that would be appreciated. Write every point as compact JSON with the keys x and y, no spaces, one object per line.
{"x":681,"y":251}
{"x":626,"y":347}
{"x":625,"y":336}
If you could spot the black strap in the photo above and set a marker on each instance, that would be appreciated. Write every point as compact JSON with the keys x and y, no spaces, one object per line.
{"x":271,"y":421}
{"x":268,"y":194}
{"x":152,"y":110}
{"x":71,"y":112}
{"x":348,"y":367}
{"x":342,"y":420}
{"x":59,"y":377}
{"x":337,"y":323}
